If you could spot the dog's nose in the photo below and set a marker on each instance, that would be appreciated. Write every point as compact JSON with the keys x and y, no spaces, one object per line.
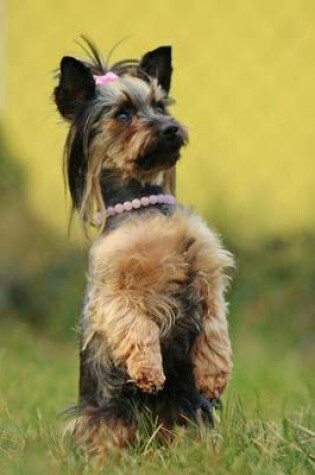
{"x":170,"y":130}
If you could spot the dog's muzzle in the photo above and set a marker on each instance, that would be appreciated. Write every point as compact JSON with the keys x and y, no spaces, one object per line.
{"x":166,"y":150}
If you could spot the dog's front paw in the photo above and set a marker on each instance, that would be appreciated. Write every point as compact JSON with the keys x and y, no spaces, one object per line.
{"x":149,"y":380}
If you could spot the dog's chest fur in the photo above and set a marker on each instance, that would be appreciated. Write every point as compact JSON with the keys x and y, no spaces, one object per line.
{"x":153,"y":262}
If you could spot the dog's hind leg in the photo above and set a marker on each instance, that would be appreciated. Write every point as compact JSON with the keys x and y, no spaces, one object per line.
{"x":104,"y":417}
{"x":96,"y":436}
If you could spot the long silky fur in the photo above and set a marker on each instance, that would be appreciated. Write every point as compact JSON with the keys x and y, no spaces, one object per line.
{"x":153,"y":329}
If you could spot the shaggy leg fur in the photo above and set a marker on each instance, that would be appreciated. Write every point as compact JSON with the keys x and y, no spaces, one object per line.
{"x":125,"y":335}
{"x":96,"y":437}
{"x":211,"y":353}
{"x":144,"y":363}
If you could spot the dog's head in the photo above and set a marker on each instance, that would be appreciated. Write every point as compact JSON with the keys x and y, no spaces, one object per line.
{"x":119,"y":121}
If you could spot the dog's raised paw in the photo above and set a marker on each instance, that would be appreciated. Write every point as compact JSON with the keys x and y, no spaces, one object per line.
{"x":212,"y":385}
{"x":149,"y":380}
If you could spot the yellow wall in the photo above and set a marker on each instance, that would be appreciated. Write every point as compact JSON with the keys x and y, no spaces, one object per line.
{"x":244,"y":83}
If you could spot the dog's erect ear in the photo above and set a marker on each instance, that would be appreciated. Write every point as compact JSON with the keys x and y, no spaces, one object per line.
{"x":76,"y":86}
{"x":158,"y":64}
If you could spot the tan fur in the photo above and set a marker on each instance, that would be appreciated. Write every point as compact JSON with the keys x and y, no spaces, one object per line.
{"x":211,"y":352}
{"x":134,"y":274}
{"x":169,"y":181}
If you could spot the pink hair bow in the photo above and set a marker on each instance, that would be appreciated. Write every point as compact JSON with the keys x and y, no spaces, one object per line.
{"x":106,"y":78}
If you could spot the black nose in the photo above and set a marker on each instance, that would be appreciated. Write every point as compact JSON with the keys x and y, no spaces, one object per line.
{"x":170,"y":130}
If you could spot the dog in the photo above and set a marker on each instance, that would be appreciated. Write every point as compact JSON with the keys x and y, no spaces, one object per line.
{"x":153,"y":330}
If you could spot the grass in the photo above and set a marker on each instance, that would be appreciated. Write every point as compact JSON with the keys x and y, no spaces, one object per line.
{"x":267,"y":426}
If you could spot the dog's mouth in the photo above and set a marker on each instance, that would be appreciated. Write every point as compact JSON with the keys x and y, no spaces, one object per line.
{"x":163,"y":155}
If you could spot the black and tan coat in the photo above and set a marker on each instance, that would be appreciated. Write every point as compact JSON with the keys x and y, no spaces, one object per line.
{"x":153,"y":330}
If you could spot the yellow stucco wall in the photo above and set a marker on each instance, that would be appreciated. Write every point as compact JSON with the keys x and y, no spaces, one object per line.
{"x":244,"y":83}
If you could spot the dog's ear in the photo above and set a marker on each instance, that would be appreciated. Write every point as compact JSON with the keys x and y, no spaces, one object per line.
{"x":76,"y":86}
{"x":158,"y":64}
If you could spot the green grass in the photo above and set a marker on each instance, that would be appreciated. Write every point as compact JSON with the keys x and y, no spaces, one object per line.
{"x":267,"y":426}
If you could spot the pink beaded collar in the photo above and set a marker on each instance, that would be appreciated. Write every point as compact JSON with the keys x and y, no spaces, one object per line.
{"x":135,"y":204}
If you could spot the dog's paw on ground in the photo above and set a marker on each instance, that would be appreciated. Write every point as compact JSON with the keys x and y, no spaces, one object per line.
{"x":200,"y":410}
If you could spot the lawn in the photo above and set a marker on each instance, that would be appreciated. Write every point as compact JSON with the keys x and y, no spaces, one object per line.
{"x":267,"y":426}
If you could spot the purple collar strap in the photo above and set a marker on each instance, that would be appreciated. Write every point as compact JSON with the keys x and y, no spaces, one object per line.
{"x":136,"y":203}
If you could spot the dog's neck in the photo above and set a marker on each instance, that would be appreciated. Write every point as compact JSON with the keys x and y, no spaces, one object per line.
{"x":115,"y":190}
{"x":129,"y":195}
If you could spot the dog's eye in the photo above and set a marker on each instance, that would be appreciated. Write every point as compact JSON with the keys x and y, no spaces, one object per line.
{"x":123,"y":115}
{"x":160,"y":108}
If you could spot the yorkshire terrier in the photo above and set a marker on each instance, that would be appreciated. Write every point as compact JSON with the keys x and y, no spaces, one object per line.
{"x":153,"y":331}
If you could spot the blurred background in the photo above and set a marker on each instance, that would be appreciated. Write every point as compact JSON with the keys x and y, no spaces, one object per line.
{"x":244,"y":82}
